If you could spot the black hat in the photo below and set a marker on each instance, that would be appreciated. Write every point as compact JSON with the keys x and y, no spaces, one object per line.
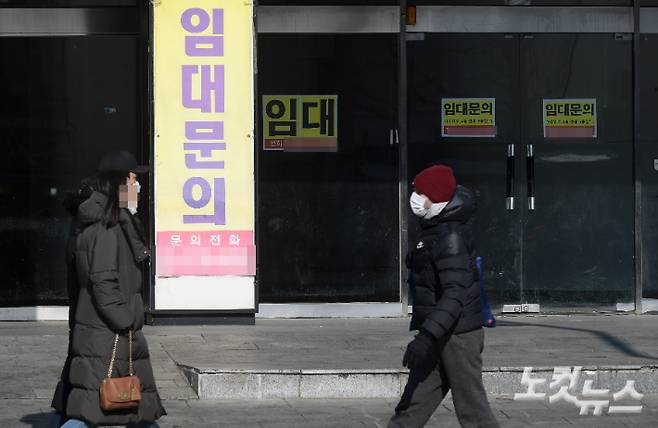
{"x":121,"y":161}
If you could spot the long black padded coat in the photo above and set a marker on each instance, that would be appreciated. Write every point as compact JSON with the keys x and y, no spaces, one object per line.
{"x":443,"y":274}
{"x":109,"y":302}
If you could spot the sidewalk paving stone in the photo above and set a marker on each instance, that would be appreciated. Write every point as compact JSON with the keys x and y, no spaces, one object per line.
{"x":31,"y":356}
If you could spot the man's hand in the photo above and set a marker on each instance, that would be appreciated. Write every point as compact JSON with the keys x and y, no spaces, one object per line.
{"x":418,"y":350}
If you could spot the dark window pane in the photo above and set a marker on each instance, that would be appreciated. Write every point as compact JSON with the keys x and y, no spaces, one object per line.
{"x":66,"y":101}
{"x":328,"y":229}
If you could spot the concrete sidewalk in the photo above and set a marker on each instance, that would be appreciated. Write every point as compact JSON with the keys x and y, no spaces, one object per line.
{"x":343,"y":358}
{"x":361,"y":358}
{"x":343,"y":413}
{"x":283,"y":363}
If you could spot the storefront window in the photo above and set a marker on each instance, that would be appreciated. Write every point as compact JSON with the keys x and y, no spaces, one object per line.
{"x":328,"y":215}
{"x":66,"y":101}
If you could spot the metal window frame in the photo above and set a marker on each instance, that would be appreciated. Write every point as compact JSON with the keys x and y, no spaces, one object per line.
{"x":536,"y":19}
{"x":637,"y":178}
{"x":350,"y":19}
{"x":357,"y":20}
{"x":455,"y":19}
{"x":328,"y":19}
{"x":52,"y":22}
{"x":403,"y":172}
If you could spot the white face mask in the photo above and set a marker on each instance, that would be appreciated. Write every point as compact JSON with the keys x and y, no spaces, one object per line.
{"x":435,"y":210}
{"x":417,"y":203}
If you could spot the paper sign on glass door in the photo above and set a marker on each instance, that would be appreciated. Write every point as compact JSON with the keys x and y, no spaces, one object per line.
{"x":300,"y":123}
{"x":570,"y":118}
{"x":468,"y":117}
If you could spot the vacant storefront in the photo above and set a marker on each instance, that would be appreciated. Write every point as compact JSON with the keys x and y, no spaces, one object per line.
{"x":74,"y":86}
{"x":545,"y":110}
{"x":556,"y":161}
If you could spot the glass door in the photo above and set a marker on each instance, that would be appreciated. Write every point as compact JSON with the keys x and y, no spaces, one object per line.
{"x":578,"y":211}
{"x":469,"y":68}
{"x":328,"y":227}
{"x":554,"y":224}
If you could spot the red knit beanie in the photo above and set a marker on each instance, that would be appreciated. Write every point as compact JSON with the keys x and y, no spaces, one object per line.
{"x":436,"y":182}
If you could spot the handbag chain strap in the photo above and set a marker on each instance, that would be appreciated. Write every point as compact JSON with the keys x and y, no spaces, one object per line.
{"x":114,"y":353}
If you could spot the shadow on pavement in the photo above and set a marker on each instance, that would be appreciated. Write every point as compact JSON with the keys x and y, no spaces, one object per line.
{"x":40,"y":420}
{"x":617,"y":343}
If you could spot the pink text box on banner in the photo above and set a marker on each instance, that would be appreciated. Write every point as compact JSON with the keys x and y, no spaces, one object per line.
{"x":205,"y":253}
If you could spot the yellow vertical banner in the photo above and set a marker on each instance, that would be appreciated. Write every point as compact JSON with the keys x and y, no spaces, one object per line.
{"x":204,"y":147}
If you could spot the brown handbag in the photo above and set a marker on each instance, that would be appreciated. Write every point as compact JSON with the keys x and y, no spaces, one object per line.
{"x":120,"y":393}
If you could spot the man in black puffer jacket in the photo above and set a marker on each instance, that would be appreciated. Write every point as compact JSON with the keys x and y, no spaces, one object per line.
{"x":447,"y":311}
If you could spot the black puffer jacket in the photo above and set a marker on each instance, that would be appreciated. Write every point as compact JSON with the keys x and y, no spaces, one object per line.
{"x":444,"y":278}
{"x":109,"y":301}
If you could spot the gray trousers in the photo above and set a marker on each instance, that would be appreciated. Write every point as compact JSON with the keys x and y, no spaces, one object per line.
{"x":459,"y":368}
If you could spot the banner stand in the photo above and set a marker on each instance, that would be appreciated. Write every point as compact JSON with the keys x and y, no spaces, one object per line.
{"x":204,"y":257}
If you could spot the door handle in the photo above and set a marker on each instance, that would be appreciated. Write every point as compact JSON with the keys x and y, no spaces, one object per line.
{"x":511,"y":172}
{"x":393,"y":137}
{"x":530,"y":168}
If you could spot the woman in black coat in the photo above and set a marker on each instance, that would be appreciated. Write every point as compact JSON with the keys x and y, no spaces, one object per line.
{"x":108,"y":253}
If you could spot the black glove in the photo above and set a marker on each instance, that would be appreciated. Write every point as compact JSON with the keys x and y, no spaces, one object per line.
{"x":418,"y":350}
